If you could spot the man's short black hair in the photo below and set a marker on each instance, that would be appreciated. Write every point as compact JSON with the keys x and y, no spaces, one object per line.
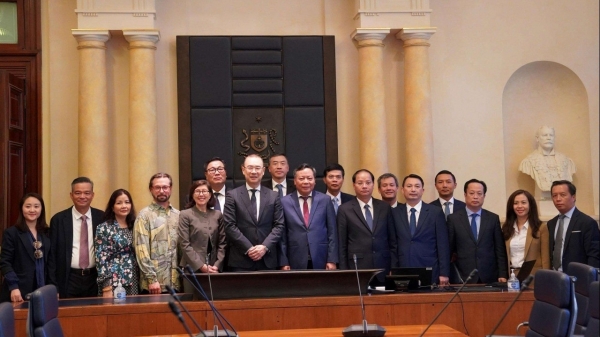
{"x":445,"y":172}
{"x":478,"y":182}
{"x":362,"y":170}
{"x":412,"y":175}
{"x":572,"y":188}
{"x":211,"y":160}
{"x":334,"y":167}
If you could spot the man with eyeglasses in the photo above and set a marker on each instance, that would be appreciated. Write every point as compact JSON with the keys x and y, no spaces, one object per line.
{"x":72,"y":239}
{"x":253,"y":221}
{"x":214,"y":169}
{"x":155,"y":237}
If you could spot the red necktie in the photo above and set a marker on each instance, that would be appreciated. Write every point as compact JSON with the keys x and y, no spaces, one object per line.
{"x":84,"y":251}
{"x":305,"y":210}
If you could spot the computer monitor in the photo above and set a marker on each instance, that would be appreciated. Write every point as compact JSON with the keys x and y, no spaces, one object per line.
{"x":403,"y":279}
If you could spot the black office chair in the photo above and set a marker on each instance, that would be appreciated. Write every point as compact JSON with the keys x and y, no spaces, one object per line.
{"x":7,"y":320}
{"x":585,"y":275}
{"x":42,"y":318}
{"x":594,"y":307}
{"x":554,"y":310}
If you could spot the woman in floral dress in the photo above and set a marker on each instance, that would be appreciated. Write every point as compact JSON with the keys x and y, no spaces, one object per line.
{"x":115,"y":252}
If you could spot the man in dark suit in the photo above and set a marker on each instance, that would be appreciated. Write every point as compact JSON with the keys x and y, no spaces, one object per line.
{"x":72,"y":238}
{"x":445,"y":183}
{"x":310,"y":237}
{"x":333,"y":176}
{"x":253,"y":219}
{"x":366,"y":229}
{"x":476,"y":238}
{"x":573,"y":234}
{"x":279,"y":168}
{"x":216,"y":175}
{"x":421,"y":232}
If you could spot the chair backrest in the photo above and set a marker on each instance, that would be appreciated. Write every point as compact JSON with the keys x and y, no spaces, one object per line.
{"x":43,"y":312}
{"x":7,"y":320}
{"x":554,"y":309}
{"x":594,"y":307}
{"x":585,"y":276}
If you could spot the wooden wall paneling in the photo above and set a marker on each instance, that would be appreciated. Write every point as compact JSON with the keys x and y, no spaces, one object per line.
{"x":184,"y":118}
{"x":331,"y":138}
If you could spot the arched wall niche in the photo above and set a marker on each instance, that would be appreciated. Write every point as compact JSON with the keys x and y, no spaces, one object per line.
{"x":547,"y":93}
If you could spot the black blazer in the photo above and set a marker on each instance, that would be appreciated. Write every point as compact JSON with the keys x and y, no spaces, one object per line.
{"x":244,"y":231}
{"x":290,"y":185}
{"x":429,"y":246}
{"x":61,"y":238}
{"x":487,"y":254}
{"x":581,"y":240}
{"x":17,"y":256}
{"x":458,"y":205}
{"x":345,"y":197}
{"x":373,"y":249}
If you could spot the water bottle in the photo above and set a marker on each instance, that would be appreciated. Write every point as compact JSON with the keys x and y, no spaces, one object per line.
{"x":513,"y":282}
{"x":120,"y":293}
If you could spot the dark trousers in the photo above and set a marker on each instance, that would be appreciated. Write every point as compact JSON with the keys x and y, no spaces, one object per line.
{"x":82,"y":283}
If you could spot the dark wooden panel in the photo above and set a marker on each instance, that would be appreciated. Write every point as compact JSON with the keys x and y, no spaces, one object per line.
{"x":211,"y":137}
{"x":330,"y":96}
{"x":256,"y":56}
{"x":256,"y":42}
{"x":305,"y":137}
{"x":303,"y":70}
{"x":184,"y":117}
{"x":210,"y":61}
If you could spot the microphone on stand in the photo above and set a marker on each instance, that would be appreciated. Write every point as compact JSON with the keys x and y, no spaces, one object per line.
{"x":364,"y":329}
{"x":473,"y":273}
{"x":216,"y":332}
{"x":192,"y":279}
{"x":174,"y":295}
{"x":524,"y":286}
{"x":177,"y":313}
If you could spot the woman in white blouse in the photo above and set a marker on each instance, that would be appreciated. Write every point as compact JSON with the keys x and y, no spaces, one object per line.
{"x":525,"y":235}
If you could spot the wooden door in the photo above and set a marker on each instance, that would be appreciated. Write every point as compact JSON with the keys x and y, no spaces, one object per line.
{"x":13,"y":148}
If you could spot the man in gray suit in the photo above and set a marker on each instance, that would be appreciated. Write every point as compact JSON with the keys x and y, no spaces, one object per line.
{"x":366,"y":229}
{"x":310,"y":236}
{"x":253,"y":219}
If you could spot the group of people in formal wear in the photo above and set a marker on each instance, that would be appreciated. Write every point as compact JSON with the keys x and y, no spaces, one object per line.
{"x":286,"y":224}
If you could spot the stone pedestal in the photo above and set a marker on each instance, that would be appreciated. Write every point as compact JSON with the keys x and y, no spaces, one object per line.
{"x":418,"y":127}
{"x":94,"y":161}
{"x":143,"y":152}
{"x":372,"y":120}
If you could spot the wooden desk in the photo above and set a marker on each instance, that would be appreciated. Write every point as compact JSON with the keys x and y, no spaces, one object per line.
{"x":436,"y":330}
{"x":481,"y":312}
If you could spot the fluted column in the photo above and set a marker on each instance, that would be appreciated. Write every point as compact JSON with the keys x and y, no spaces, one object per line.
{"x":373,"y":135}
{"x":143,"y":142}
{"x":93,"y":108}
{"x":418,"y":128}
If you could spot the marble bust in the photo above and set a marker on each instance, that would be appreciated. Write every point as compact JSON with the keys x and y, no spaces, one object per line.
{"x":546,"y":165}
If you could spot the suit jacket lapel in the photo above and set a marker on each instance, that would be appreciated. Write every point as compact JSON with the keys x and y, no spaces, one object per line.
{"x":376,"y":214}
{"x":483,"y":225}
{"x":296,"y":204}
{"x":528,"y":240}
{"x":572,"y":222}
{"x":245,"y":197}
{"x":404,"y":218}
{"x":313,"y":207}
{"x":422,"y":219}
{"x":359,"y":214}
{"x":467,"y":226}
{"x":24,"y":236}
{"x":263,"y":203}
{"x":68,"y":235}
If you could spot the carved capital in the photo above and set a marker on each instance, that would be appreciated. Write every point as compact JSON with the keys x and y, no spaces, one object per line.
{"x":141,"y":38}
{"x":91,"y":38}
{"x":407,"y":34}
{"x":370,"y":37}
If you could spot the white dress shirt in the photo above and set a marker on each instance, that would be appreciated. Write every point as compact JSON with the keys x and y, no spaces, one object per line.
{"x":517,"y":245}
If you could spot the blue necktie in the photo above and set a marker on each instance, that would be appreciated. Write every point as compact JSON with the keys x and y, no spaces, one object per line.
{"x":280,"y":190}
{"x":447,"y":209}
{"x":369,"y":217}
{"x":474,"y":225}
{"x":413,"y":222}
{"x":217,"y":205}
{"x":335,"y":204}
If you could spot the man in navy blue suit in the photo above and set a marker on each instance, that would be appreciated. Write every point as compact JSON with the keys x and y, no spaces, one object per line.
{"x":445,"y":183}
{"x":476,"y":238}
{"x":333,"y":176}
{"x":309,"y":240}
{"x":421,"y":232}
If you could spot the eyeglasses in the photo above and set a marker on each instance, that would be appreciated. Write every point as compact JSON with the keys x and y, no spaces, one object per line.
{"x":198,"y":192}
{"x":253,"y":168}
{"x":38,"y":253}
{"x":214,"y":170}
{"x":159,"y":188}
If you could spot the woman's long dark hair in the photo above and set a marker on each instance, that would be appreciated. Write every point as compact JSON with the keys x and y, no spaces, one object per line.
{"x":109,"y":213}
{"x":191,"y":203}
{"x":41,"y":226}
{"x":511,"y":217}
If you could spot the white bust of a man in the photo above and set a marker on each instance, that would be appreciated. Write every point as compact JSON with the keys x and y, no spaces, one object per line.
{"x":546,"y":165}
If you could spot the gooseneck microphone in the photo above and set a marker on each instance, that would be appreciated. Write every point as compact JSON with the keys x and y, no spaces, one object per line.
{"x":192,"y":279}
{"x":471,"y":275}
{"x":524,"y":286}
{"x":364,"y":329}
{"x":174,"y":295}
{"x":177,"y":313}
{"x":212,"y":300}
